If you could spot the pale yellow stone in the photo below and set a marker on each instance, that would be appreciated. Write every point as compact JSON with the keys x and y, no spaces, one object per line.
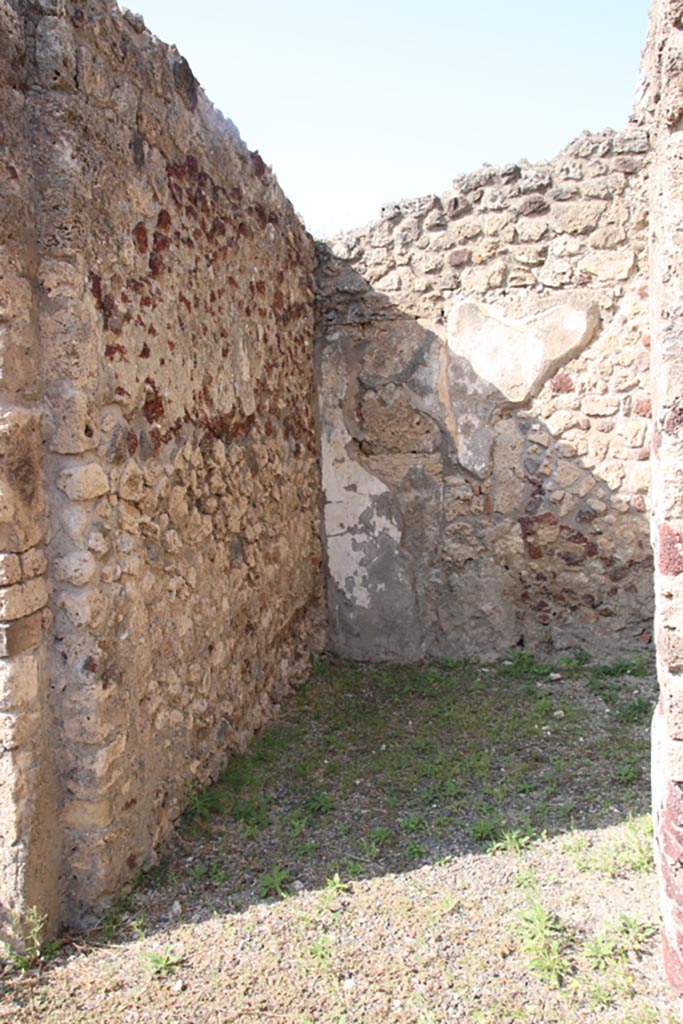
{"x":33,"y":563}
{"x":87,"y":815}
{"x":83,"y":483}
{"x":566,"y":474}
{"x":23,"y":598}
{"x":19,"y":678}
{"x":77,"y":568}
{"x":10,"y":569}
{"x":600,"y":405}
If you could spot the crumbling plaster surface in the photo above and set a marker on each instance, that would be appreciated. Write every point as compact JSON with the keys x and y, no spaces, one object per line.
{"x":168,"y":292}
{"x":485,"y":413}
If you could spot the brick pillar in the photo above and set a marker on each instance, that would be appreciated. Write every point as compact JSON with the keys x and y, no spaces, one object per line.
{"x":663,"y":107}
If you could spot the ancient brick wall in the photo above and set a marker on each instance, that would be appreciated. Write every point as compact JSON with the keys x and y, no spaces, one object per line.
{"x":486,"y":414}
{"x":171,"y":285}
{"x":662,"y":103}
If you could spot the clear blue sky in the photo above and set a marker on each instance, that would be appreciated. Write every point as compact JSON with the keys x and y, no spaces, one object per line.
{"x":361,"y":102}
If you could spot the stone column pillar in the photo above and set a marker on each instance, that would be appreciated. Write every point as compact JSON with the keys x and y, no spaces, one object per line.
{"x":663,"y":67}
{"x":29,"y":843}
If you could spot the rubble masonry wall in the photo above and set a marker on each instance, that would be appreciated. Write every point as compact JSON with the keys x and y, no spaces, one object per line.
{"x":484,"y":391}
{"x":166,"y":286}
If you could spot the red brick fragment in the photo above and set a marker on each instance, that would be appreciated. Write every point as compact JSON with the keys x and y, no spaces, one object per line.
{"x":670,"y":551}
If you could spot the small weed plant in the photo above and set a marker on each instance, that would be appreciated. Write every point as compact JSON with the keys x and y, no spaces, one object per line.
{"x":336,"y":886}
{"x":161,"y":964}
{"x":274,"y":883}
{"x":486,"y":829}
{"x":511,"y":841}
{"x":318,"y":803}
{"x":36,"y":949}
{"x":545,"y":940}
{"x":202,"y":803}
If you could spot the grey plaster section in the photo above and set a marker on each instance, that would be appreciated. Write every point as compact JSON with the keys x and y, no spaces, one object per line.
{"x":371,"y":593}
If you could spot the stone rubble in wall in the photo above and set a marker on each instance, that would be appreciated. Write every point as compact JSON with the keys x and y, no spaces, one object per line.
{"x":173,"y":286}
{"x":560,"y":225}
{"x":544,"y":529}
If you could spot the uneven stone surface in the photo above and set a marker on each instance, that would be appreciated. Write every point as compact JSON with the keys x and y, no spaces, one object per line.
{"x":29,"y":831}
{"x":156,"y":431}
{"x":485,"y":424}
{"x":485,"y":413}
{"x":662,"y":102}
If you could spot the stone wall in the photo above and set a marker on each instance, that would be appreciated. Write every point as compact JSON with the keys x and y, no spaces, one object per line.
{"x":485,"y":413}
{"x":167,"y":288}
{"x":485,"y":426}
{"x":663,"y":105}
{"x":29,"y":837}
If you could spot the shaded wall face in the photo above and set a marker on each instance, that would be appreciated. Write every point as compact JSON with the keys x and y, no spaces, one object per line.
{"x":486,"y":416}
{"x":174,"y":288}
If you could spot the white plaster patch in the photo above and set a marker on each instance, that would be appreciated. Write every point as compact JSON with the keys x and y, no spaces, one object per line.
{"x":349,"y":491}
{"x":516,"y":356}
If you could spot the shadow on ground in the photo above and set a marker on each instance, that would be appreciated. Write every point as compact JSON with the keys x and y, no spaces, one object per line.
{"x":463,"y":844}
{"x":375,"y":770}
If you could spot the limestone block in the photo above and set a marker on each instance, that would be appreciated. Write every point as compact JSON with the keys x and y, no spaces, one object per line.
{"x":10,"y":569}
{"x":72,"y":420}
{"x":555,"y":272}
{"x":132,"y":482}
{"x":55,"y":54}
{"x":22,"y":505}
{"x":76,"y":521}
{"x":633,"y":433}
{"x":560,"y":422}
{"x":392,"y":424}
{"x":608,"y":237}
{"x":17,"y":731}
{"x":612,"y":473}
{"x":33,"y":563}
{"x":178,"y":508}
{"x":600,"y":405}
{"x":609,"y":266}
{"x":18,"y":370}
{"x":577,"y":218}
{"x":393,"y":470}
{"x":93,"y":77}
{"x":23,"y":599}
{"x":566,"y":474}
{"x":18,"y":682}
{"x":88,"y":815}
{"x":531,"y":229}
{"x":16,"y":299}
{"x":531,"y":255}
{"x":83,"y":607}
{"x":77,"y":568}
{"x":84,"y":483}
{"x":632,"y":139}
{"x":484,"y":278}
{"x":637,"y":477}
{"x":21,"y":635}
